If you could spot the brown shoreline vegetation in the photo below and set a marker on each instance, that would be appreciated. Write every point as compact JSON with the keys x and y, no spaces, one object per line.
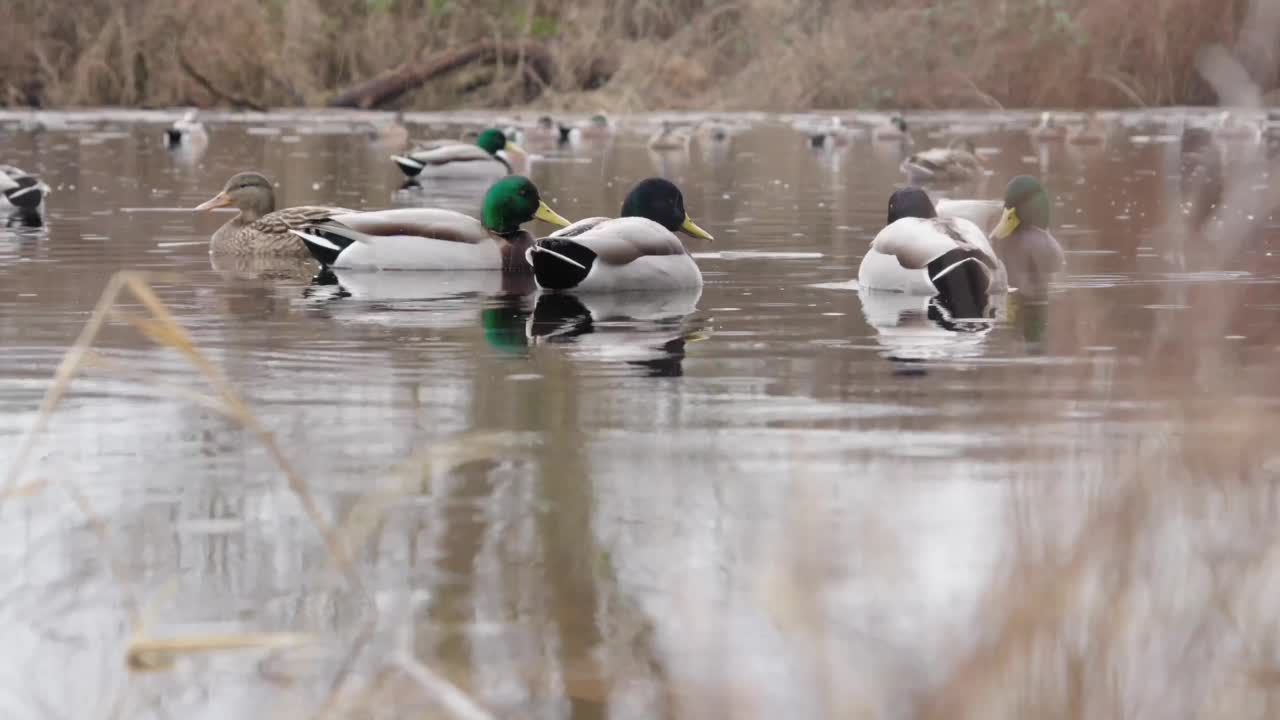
{"x":625,"y":56}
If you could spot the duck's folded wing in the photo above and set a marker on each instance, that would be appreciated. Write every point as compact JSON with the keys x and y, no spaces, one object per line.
{"x":916,"y":242}
{"x":455,"y":152}
{"x":416,"y":222}
{"x":576,"y":229}
{"x":624,"y":240}
{"x":282,"y":221}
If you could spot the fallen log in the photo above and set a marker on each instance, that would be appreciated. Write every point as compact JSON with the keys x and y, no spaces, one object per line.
{"x":388,"y":86}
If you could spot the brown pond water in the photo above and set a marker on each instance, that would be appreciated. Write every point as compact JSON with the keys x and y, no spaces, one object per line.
{"x":590,"y":508}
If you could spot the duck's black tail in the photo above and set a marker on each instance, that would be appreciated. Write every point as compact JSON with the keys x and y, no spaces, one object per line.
{"x":326,"y":241}
{"x":559,"y":264}
{"x":410,"y":167}
{"x":963,"y":282}
{"x":29,"y":193}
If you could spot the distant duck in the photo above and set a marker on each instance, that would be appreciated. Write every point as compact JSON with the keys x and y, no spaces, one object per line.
{"x":1048,"y":129}
{"x":433,"y":239}
{"x":920,"y":253}
{"x":597,"y":128}
{"x":834,"y":135}
{"x":892,"y":129}
{"x":187,"y":131}
{"x":486,"y":156}
{"x":671,"y":136}
{"x":957,"y":162}
{"x":714,"y":131}
{"x":260,"y":229}
{"x":637,"y":251}
{"x":22,"y":194}
{"x":545,"y":131}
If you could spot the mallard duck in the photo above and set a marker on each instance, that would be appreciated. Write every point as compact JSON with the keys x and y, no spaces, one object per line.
{"x":188,"y":130}
{"x":259,"y":229}
{"x":892,"y":129}
{"x":920,"y":253}
{"x":957,"y":162}
{"x":671,"y":136}
{"x":834,"y":134}
{"x":545,"y":131}
{"x":637,"y":251}
{"x":598,"y":127}
{"x":487,"y":155}
{"x":1030,"y":252}
{"x":1093,"y":131}
{"x":432,"y":239}
{"x":714,"y":131}
{"x":23,"y":192}
{"x":1048,"y":129}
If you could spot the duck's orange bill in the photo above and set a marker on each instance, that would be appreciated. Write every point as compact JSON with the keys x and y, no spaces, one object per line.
{"x":217,"y":201}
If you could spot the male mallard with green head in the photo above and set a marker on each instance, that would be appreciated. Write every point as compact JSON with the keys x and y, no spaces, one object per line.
{"x":1030,"y":252}
{"x":487,"y":155}
{"x":435,"y":239}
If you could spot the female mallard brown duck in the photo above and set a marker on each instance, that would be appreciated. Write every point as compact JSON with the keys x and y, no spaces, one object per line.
{"x":260,"y":229}
{"x":957,"y":162}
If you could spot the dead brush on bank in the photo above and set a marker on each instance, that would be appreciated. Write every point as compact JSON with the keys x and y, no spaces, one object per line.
{"x":736,"y":54}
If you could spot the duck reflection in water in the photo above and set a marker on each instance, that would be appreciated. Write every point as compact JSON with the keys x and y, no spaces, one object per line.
{"x":648,"y":330}
{"x":914,"y":330}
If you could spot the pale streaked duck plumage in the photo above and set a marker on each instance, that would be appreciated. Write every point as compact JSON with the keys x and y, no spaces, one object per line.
{"x":957,"y":162}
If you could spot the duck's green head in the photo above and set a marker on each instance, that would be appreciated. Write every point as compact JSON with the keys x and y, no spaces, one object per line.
{"x":513,"y":201}
{"x":599,"y":121}
{"x":1025,"y":203}
{"x":491,"y":140}
{"x":661,"y":201}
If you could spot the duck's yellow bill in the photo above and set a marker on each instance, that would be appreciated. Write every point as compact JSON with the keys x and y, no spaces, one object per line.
{"x":512,"y":147}
{"x":547,"y":215}
{"x":691,"y":228}
{"x":1008,"y":223}
{"x":217,"y":201}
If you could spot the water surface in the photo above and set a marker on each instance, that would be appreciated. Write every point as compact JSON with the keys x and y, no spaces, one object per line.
{"x":578,"y":507}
